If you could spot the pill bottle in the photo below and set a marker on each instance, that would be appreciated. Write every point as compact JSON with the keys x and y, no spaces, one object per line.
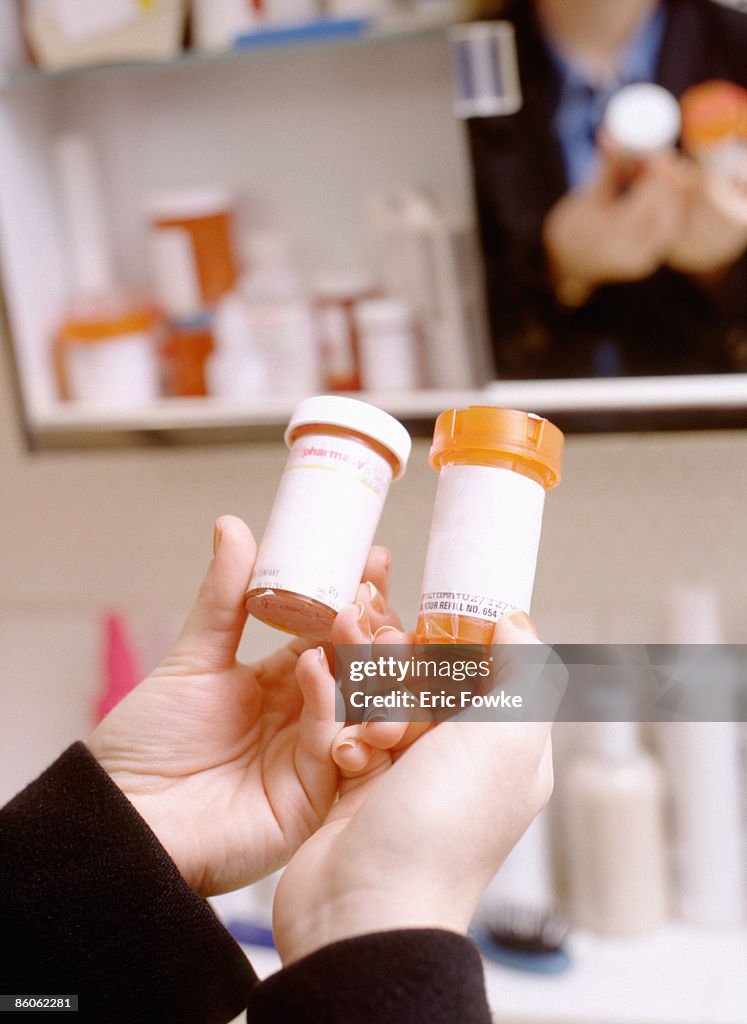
{"x":494,"y":468}
{"x":190,"y":244}
{"x":388,"y":345}
{"x":337,"y":294}
{"x":186,"y":348}
{"x":343,"y":456}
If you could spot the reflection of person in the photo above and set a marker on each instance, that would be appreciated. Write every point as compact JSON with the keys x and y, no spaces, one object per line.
{"x":223,"y":772}
{"x":585,"y":278}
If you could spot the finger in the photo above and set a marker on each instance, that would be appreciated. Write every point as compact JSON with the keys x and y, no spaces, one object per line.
{"x":516,"y":628}
{"x":317,"y":730}
{"x":377,"y":567}
{"x":214,"y":626}
{"x":352,"y":625}
{"x":379,"y":612}
{"x":351,"y":755}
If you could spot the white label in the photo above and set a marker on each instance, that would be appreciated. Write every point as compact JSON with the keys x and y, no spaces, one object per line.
{"x":114,"y":373}
{"x":83,"y":19}
{"x":337,"y":343}
{"x":482,"y":551}
{"x":285,"y":336}
{"x":324,"y":519}
{"x":176,"y":281}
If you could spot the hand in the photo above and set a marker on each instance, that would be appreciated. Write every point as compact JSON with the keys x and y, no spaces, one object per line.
{"x":713,"y":234}
{"x":418,"y":832}
{"x":598,"y":234}
{"x":228,"y":763}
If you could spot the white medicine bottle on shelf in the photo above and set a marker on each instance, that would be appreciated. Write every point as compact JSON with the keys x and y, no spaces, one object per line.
{"x":389,"y":345}
{"x":280,"y":317}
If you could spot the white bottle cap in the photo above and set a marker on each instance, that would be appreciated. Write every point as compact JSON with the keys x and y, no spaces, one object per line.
{"x":384,"y":315}
{"x":342,"y":283}
{"x":359,"y":416}
{"x":189,"y":202}
{"x":643,"y":118}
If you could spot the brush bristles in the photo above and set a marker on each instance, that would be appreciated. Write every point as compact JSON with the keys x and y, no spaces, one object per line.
{"x":526,"y":928}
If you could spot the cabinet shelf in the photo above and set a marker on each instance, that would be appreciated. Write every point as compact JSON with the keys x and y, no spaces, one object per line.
{"x":576,"y":405}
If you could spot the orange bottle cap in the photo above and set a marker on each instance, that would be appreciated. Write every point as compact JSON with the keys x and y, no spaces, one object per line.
{"x":485,"y":429}
{"x":711,"y":112}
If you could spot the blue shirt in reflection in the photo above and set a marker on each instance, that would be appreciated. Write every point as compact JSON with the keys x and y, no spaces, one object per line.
{"x":582,"y":101}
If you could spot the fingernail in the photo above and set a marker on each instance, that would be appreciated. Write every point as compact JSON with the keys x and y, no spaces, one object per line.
{"x":384,"y":629}
{"x":322,"y":656}
{"x":364,"y":623}
{"x":217,"y":537}
{"x":522,"y":621}
{"x":348,"y":745}
{"x":376,"y":716}
{"x":376,"y":600}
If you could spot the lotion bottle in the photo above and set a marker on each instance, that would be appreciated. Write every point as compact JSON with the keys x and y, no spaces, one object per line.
{"x":614,"y":805}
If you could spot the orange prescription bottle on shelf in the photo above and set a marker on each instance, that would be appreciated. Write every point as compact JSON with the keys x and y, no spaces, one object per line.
{"x":494,"y":468}
{"x":343,"y":456}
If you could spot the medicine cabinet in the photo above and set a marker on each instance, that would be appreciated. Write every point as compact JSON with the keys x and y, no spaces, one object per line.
{"x":303,"y":133}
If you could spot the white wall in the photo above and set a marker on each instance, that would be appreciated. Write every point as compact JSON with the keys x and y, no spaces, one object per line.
{"x":85,"y":531}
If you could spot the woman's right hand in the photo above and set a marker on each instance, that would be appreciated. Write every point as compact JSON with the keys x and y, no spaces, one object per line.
{"x":416,"y":836}
{"x":601,"y":234}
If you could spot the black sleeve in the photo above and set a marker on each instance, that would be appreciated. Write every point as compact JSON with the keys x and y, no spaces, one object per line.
{"x":93,"y":906}
{"x":423,"y":976}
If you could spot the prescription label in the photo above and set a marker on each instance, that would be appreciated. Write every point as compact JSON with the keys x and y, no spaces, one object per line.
{"x":323,"y":521}
{"x":482,"y":551}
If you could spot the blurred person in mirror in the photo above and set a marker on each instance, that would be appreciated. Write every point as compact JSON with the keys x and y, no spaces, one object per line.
{"x":591,"y":271}
{"x":211,"y":774}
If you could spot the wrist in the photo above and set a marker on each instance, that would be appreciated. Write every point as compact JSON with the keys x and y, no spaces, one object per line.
{"x":572,"y":288}
{"x":363,"y":912}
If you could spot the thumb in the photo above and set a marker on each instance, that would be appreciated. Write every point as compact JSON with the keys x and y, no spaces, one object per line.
{"x":213,"y":629}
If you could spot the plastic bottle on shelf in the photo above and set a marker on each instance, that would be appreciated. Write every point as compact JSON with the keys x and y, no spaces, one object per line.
{"x":186,"y":347}
{"x":337,"y":294}
{"x":217,"y":23}
{"x":614,"y":816}
{"x":105,"y":348}
{"x":282,"y":326}
{"x":191,"y":250}
{"x":702,"y":761}
{"x":426,"y":251}
{"x":235,"y":370}
{"x":71,"y":33}
{"x":389,"y":345}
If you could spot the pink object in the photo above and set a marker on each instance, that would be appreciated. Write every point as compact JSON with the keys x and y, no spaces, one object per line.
{"x":119,"y":663}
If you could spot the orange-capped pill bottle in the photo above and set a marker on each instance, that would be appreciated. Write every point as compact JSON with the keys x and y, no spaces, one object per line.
{"x":343,"y":456}
{"x":494,"y":466}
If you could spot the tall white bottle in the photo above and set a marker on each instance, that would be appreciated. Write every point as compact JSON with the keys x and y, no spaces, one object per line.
{"x":614,"y":814}
{"x":702,"y":762}
{"x":282,"y":326}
